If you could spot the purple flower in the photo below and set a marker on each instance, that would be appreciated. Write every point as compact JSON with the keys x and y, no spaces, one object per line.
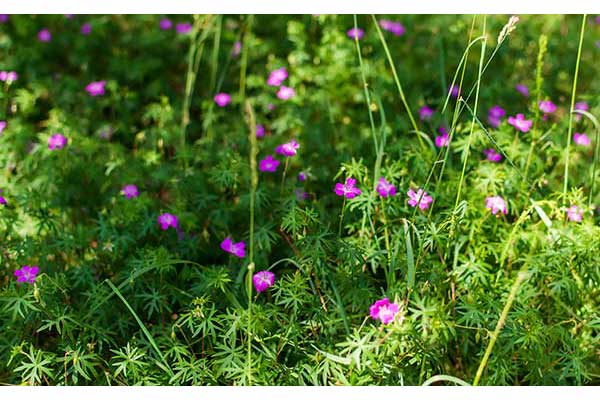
{"x":581,"y":106}
{"x":268,"y":164}
{"x":574,"y":214}
{"x":2,"y":126}
{"x":165,"y":24}
{"x":2,"y":199}
{"x":301,"y":194}
{"x":237,"y":249}
{"x":8,"y":76}
{"x":301,"y":176}
{"x":453,"y":90}
{"x":547,"y":106}
{"x":385,"y":189}
{"x":95,"y":88}
{"x":413,"y":198}
{"x":288,"y":149}
{"x":237,"y":49}
{"x":581,"y":139}
{"x":492,"y":155}
{"x":348,"y":189}
{"x":495,"y":115}
{"x":166,"y":220}
{"x":270,"y":107}
{"x":3,"y":18}
{"x":130,"y":191}
{"x":355,"y":33}
{"x":222,"y":99}
{"x":443,"y":140}
{"x":27,"y":273}
{"x":394,"y":27}
{"x":260,"y":130}
{"x":496,"y":204}
{"x":384,"y":311}
{"x":520,"y":123}
{"x":263,"y":280}
{"x":285,"y":93}
{"x":522,"y":89}
{"x":44,"y":35}
{"x":56,"y":141}
{"x":277,"y":77}
{"x":86,"y":29}
{"x":183,"y":28}
{"x":425,"y":113}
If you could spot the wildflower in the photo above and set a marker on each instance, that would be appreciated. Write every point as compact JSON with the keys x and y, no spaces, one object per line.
{"x":277,"y":77}
{"x":2,"y":126}
{"x":301,"y":194}
{"x":183,"y":28}
{"x":444,"y":139}
{"x":581,"y":106}
{"x":86,"y":29}
{"x":547,"y":106}
{"x":237,"y":249}
{"x":495,"y":115}
{"x":130,"y":191}
{"x":574,"y":214}
{"x":348,"y":189}
{"x":268,"y":164}
{"x":2,"y":199}
{"x":495,"y":204}
{"x":413,"y":198}
{"x":425,"y":113}
{"x":394,"y":27}
{"x":260,"y":130}
{"x":165,"y":24}
{"x":288,"y":149}
{"x":355,"y":33}
{"x":44,"y":35}
{"x":492,"y":155}
{"x":166,"y":220}
{"x":270,"y":107}
{"x":96,"y":88}
{"x":301,"y":176}
{"x":222,"y":99}
{"x":8,"y":76}
{"x":453,"y":90}
{"x":522,"y":89}
{"x":27,"y":273}
{"x":581,"y":139}
{"x":385,"y":189}
{"x":237,"y":49}
{"x":3,"y":18}
{"x":263,"y":280}
{"x":56,"y":141}
{"x":285,"y":93}
{"x":520,"y":123}
{"x":384,"y":311}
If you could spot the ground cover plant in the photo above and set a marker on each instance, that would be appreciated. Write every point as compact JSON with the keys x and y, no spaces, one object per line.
{"x":299,"y":200}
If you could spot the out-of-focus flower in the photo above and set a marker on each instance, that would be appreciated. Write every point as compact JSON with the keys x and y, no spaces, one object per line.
{"x":581,"y":139}
{"x":165,"y":24}
{"x":130,"y":191}
{"x":520,"y":123}
{"x":394,"y":27}
{"x":276,"y":77}
{"x":522,"y":89}
{"x":222,"y":99}
{"x":425,"y":113}
{"x":355,"y":33}
{"x":44,"y":35}
{"x":183,"y":28}
{"x":96,"y":88}
{"x":574,"y":214}
{"x":288,"y":149}
{"x":285,"y":93}
{"x":57,"y":141}
{"x":167,"y":220}
{"x":496,"y":204}
{"x":547,"y":106}
{"x":86,"y":29}
{"x":492,"y":155}
{"x":268,"y":164}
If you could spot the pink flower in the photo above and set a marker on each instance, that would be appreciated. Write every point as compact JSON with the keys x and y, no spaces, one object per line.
{"x":183,"y":28}
{"x":495,"y":115}
{"x":413,"y":198}
{"x":520,"y":123}
{"x":222,"y":99}
{"x":453,"y":90}
{"x":301,"y":176}
{"x":385,"y":189}
{"x":277,"y":77}
{"x":56,"y":141}
{"x":268,"y":164}
{"x":130,"y":191}
{"x":301,"y":194}
{"x":27,"y":273}
{"x":166,"y":220}
{"x":581,"y":139}
{"x":443,"y":140}
{"x":288,"y":149}
{"x":496,"y":204}
{"x":492,"y":155}
{"x":522,"y":89}
{"x":384,"y":311}
{"x":425,"y":113}
{"x":547,"y":106}
{"x":355,"y":33}
{"x":44,"y":35}
{"x":165,"y":24}
{"x":8,"y":76}
{"x":348,"y":189}
{"x":260,"y":130}
{"x":2,"y":126}
{"x":2,"y":199}
{"x":285,"y":93}
{"x":237,"y":49}
{"x":96,"y":88}
{"x":3,"y":18}
{"x":86,"y":29}
{"x":263,"y":280}
{"x":394,"y":27}
{"x":574,"y":214}
{"x":581,"y":106}
{"x":237,"y":249}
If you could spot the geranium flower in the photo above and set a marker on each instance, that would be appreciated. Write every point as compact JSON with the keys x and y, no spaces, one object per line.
{"x":581,"y":106}
{"x":165,"y":24}
{"x":301,"y":194}
{"x":8,"y":76}
{"x":237,"y":49}
{"x":167,"y":220}
{"x":413,"y":198}
{"x":263,"y":280}
{"x":348,"y":189}
{"x":277,"y":77}
{"x":2,"y":126}
{"x":288,"y":149}
{"x":96,"y":88}
{"x":355,"y":33}
{"x":547,"y":106}
{"x":260,"y":130}
{"x":27,"y":273}
{"x":495,"y":115}
{"x":444,"y":139}
{"x":3,"y":18}
{"x":574,"y":214}
{"x":522,"y":89}
{"x":453,"y":90}
{"x":385,"y":189}
{"x":222,"y":99}
{"x":237,"y":249}
{"x":492,"y":155}
{"x":130,"y":191}
{"x":56,"y":141}
{"x":301,"y":176}
{"x":2,"y":199}
{"x":285,"y":93}
{"x":520,"y":123}
{"x":44,"y":35}
{"x":268,"y":164}
{"x":495,"y":204}
{"x":581,"y":139}
{"x":394,"y":27}
{"x":425,"y":113}
{"x":86,"y":29}
{"x":183,"y":28}
{"x":384,"y":311}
